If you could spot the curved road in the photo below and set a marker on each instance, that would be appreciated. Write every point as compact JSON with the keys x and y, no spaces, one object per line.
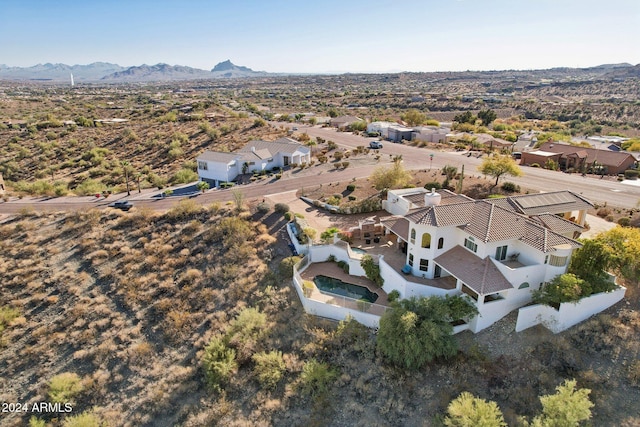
{"x":597,"y":190}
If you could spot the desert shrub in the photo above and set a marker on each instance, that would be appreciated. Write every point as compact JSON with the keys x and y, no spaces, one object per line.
{"x":352,"y":198}
{"x":269,"y":368}
{"x":334,"y":201}
{"x":338,"y":155}
{"x":469,"y":411}
{"x":604,"y":212}
{"x":510,"y":187}
{"x":351,"y":187}
{"x":63,"y":388}
{"x":316,"y":377}
{"x":344,"y":266}
{"x":394,"y":295}
{"x":534,"y":165}
{"x":633,"y":373}
{"x":7,"y":315}
{"x":372,"y":270}
{"x":331,"y":145}
{"x":345,"y":165}
{"x":631,"y":174}
{"x":84,"y":419}
{"x":624,"y":222}
{"x":184,"y":176}
{"x":185,"y":209}
{"x":219,"y":363}
{"x":246,"y":331}
{"x":89,"y":186}
{"x":289,"y":216}
{"x":567,"y":407}
{"x":433,"y":184}
{"x":563,"y":288}
{"x":286,"y":266}
{"x":263,"y":208}
{"x":37,"y":422}
{"x":418,"y":330}
{"x":281,"y":207}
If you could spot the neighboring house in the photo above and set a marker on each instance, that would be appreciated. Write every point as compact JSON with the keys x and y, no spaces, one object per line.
{"x":217,"y":167}
{"x":539,"y":158}
{"x":493,"y":143}
{"x":344,"y":121}
{"x":436,"y":134}
{"x":397,"y":133}
{"x":2,"y":189}
{"x":380,"y":127}
{"x":582,"y":158}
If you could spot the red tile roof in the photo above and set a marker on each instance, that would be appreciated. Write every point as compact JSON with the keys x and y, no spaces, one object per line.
{"x":481,"y":275}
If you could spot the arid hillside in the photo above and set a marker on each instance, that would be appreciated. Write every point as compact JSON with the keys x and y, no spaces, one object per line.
{"x":125,"y":304}
{"x":58,"y":140}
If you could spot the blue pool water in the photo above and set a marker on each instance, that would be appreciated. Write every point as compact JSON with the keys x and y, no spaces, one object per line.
{"x":338,"y":287}
{"x":358,"y":250}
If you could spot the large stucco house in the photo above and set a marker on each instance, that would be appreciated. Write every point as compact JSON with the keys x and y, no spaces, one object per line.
{"x":217,"y":167}
{"x":495,"y":251}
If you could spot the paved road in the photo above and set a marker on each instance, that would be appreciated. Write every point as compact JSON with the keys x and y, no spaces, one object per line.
{"x":597,"y":190}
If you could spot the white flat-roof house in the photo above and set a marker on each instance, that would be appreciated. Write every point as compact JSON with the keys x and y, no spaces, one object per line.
{"x":497,"y":250}
{"x":217,"y":167}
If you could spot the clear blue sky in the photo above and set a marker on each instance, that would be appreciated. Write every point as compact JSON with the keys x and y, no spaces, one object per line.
{"x":323,"y":36}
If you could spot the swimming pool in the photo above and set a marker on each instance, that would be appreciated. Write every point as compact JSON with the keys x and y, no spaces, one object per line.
{"x":335,"y":286}
{"x":358,"y":250}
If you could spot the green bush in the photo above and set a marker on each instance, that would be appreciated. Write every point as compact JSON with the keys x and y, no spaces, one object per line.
{"x":419,"y":330}
{"x":631,"y":174}
{"x":63,"y":388}
{"x":469,"y":411}
{"x":372,"y":270}
{"x":563,"y":288}
{"x":316,"y":377}
{"x":394,"y":295}
{"x":344,"y":266}
{"x":433,"y":184}
{"x":219,"y":363}
{"x":624,"y":222}
{"x":84,"y":419}
{"x":90,"y":186}
{"x":510,"y":187}
{"x":286,"y":266}
{"x":269,"y":368}
{"x":351,"y":187}
{"x":184,"y":176}
{"x":263,"y":208}
{"x":281,"y":207}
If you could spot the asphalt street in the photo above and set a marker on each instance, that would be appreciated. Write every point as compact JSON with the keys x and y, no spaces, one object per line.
{"x":597,"y":190}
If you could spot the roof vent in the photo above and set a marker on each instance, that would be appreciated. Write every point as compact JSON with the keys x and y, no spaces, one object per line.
{"x":253,"y":149}
{"x":432,"y":199}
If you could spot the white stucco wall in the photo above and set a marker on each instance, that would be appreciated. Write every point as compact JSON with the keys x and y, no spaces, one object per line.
{"x":219,"y":171}
{"x":569,"y":314}
{"x":394,"y":280}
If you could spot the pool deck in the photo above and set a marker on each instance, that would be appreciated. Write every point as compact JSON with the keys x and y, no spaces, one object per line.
{"x":331,"y":269}
{"x":388,"y":247}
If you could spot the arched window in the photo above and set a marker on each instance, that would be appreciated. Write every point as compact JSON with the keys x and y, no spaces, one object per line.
{"x":413,"y":235}
{"x":426,"y":240}
{"x":441,"y":243}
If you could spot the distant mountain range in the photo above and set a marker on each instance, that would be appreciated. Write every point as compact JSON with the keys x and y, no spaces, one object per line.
{"x":113,"y":73}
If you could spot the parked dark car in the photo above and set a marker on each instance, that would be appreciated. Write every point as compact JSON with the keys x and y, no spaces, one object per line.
{"x":375,"y":144}
{"x":124,"y":205}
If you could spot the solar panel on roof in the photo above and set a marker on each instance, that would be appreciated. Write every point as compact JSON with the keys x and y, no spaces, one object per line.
{"x":545,"y":200}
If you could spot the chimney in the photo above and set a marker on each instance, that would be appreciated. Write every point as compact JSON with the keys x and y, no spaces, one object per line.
{"x":253,"y":149}
{"x":432,"y":199}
